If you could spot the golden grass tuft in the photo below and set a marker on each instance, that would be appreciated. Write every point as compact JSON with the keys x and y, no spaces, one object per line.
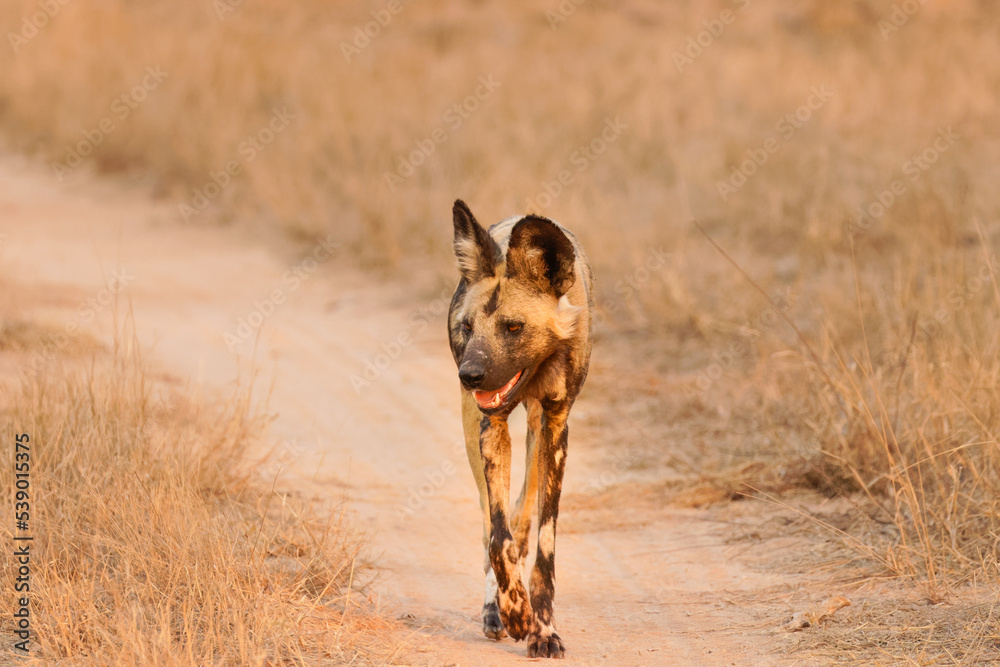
{"x":898,"y":401}
{"x":903,"y":633}
{"x":154,"y":544}
{"x":911,"y":418}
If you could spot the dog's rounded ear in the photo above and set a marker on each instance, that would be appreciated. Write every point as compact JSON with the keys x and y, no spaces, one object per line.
{"x":475,"y":249}
{"x":541,"y":254}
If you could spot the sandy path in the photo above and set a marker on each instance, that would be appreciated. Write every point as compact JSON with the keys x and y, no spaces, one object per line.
{"x":638,"y":592}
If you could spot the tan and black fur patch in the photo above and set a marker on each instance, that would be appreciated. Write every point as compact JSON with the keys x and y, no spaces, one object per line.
{"x":520,"y":333}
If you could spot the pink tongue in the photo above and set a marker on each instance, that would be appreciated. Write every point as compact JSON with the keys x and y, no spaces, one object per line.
{"x":486,"y":397}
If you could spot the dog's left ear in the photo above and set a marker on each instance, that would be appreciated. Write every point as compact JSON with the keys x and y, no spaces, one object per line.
{"x":541,"y":254}
{"x":475,"y":249}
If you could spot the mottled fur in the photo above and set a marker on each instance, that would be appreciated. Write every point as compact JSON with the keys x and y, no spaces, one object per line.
{"x":521,"y":310}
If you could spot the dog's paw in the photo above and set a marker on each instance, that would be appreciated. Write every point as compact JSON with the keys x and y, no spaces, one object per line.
{"x":545,"y":646}
{"x":515,"y":611}
{"x":492,"y":627}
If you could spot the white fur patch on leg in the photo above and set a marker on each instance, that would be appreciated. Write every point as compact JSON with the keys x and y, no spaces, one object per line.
{"x":547,"y":537}
{"x":491,"y":587}
{"x":546,"y":629}
{"x":565,"y":318}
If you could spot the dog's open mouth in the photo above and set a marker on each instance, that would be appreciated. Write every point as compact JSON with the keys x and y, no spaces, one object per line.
{"x":494,"y":399}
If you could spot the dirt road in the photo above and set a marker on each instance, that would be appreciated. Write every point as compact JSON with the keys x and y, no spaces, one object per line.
{"x":647,"y":586}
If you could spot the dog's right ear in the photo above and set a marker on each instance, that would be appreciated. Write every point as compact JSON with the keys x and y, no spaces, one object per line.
{"x":475,"y":249}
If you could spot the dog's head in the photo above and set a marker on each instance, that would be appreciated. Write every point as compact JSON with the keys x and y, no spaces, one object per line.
{"x":510,"y":312}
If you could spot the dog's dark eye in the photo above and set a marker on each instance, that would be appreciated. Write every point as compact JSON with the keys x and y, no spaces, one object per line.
{"x":467,"y":326}
{"x":514,"y":326}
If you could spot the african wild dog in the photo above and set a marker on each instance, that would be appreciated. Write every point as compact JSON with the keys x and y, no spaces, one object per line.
{"x":519,"y":326}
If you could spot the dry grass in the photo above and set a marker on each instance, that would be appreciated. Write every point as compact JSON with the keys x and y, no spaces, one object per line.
{"x":897,"y":400}
{"x":906,"y":633}
{"x":153,"y":541}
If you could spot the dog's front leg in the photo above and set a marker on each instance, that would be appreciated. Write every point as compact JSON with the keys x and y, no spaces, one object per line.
{"x":544,"y":642}
{"x":515,"y":607}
